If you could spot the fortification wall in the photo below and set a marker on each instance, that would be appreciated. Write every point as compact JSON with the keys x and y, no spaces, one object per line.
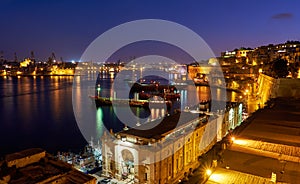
{"x":269,"y":87}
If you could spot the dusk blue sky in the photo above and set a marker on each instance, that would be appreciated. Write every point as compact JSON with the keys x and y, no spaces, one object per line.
{"x":67,"y":27}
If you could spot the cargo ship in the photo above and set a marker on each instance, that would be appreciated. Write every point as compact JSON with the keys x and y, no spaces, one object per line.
{"x":102,"y":101}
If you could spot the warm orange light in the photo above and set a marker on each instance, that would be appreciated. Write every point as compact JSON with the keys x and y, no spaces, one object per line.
{"x":58,"y":71}
{"x":25,"y":63}
{"x":218,"y":178}
{"x":241,"y":142}
{"x":208,"y":172}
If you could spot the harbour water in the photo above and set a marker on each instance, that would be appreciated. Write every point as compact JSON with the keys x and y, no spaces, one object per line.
{"x":38,"y":112}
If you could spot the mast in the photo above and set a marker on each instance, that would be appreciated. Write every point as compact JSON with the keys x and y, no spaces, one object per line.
{"x":15,"y":57}
{"x":32,"y":58}
{"x":53,"y":57}
{"x":2,"y":56}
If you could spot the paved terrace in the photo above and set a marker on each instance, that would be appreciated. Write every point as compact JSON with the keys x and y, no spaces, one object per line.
{"x":280,"y":124}
{"x":229,"y":176}
{"x":270,"y":142}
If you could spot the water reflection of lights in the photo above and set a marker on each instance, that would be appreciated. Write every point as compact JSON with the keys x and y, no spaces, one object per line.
{"x":99,"y":122}
{"x":112,"y":75}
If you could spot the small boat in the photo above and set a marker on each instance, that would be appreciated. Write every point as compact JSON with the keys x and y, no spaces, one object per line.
{"x":167,"y":93}
{"x":166,"y":96}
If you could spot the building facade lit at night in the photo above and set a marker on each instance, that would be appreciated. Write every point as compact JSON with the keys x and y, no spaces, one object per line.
{"x":167,"y":153}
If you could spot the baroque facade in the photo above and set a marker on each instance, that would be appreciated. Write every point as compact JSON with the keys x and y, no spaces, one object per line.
{"x":170,"y":149}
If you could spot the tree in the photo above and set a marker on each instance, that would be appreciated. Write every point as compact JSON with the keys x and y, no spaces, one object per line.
{"x":280,"y":68}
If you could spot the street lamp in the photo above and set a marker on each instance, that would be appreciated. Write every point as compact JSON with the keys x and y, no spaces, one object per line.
{"x":208,"y":172}
{"x":98,"y":90}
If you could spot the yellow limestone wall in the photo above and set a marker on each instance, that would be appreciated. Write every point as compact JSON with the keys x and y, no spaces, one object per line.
{"x":269,"y":87}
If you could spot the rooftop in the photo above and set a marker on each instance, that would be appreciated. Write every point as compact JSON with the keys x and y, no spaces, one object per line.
{"x":156,"y":129}
{"x":46,"y":170}
{"x":280,"y":124}
{"x":160,"y":128}
{"x":268,"y":142}
{"x":22,"y":154}
{"x":72,"y":177}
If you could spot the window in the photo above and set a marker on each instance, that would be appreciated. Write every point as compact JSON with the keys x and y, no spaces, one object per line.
{"x":187,"y":156}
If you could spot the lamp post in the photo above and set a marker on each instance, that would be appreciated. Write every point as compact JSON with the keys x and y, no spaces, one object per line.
{"x":98,"y":90}
{"x":283,"y":163}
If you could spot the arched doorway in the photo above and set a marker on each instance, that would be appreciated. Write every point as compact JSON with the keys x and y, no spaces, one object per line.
{"x":127,"y":164}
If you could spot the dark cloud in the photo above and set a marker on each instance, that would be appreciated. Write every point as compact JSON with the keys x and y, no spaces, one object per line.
{"x":282,"y":16}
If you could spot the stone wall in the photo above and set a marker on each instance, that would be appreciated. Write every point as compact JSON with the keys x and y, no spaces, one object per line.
{"x":269,"y":87}
{"x":177,"y":154}
{"x":288,"y":88}
{"x":22,"y":162}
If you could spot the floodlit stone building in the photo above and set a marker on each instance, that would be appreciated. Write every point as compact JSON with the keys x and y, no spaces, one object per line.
{"x":168,"y":149}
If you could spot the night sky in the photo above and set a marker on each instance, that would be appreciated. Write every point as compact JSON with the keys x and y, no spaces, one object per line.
{"x":67,"y":27}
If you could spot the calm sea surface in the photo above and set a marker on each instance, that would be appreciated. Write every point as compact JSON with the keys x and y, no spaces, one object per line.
{"x":38,"y":112}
